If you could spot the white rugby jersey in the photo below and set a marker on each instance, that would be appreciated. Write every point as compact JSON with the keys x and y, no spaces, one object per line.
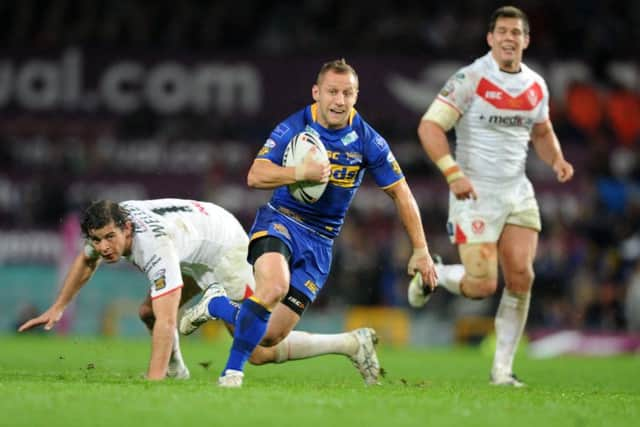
{"x":174,"y":236}
{"x":498,"y":110}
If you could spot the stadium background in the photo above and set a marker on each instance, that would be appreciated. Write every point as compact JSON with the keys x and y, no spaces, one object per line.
{"x":130,"y":100}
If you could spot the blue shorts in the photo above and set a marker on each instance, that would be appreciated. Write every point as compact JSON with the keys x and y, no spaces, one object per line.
{"x":310,"y":261}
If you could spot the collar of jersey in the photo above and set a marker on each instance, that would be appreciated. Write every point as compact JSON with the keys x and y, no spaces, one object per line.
{"x":332,"y":134}
{"x":496,"y":66}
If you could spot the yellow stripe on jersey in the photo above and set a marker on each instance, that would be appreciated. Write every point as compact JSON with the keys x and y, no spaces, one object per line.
{"x":259,"y":234}
{"x":386,"y":187}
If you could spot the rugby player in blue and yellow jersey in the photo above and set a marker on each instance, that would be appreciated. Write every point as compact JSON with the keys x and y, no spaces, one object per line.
{"x":291,"y":241}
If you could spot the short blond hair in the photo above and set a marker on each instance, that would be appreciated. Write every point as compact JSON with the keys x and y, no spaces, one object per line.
{"x":338,"y":66}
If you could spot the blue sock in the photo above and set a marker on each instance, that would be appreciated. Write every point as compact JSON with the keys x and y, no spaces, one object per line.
{"x":223,"y":308}
{"x":251,"y":326}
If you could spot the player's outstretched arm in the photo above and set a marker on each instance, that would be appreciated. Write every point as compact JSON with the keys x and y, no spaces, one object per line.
{"x":410,"y":216}
{"x":80,"y":272}
{"x":547,"y":146}
{"x":165,"y":310}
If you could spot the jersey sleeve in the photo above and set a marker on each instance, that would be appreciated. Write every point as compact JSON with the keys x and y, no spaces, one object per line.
{"x":163,"y":269}
{"x":543,"y":114}
{"x":381,"y":162}
{"x":459,"y":90}
{"x":273,"y":148}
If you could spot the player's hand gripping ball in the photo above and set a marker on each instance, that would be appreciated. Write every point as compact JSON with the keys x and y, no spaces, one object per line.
{"x":294,"y":155}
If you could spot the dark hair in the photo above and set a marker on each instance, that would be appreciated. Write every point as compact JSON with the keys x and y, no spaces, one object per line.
{"x":509,"y":12}
{"x":339,"y":66}
{"x":101,"y":213}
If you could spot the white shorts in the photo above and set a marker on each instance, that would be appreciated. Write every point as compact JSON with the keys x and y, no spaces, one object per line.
{"x":482,"y":220}
{"x":235,"y":273}
{"x":231,"y":270}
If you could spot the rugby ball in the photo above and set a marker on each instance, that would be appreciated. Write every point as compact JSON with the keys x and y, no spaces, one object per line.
{"x":299,"y":146}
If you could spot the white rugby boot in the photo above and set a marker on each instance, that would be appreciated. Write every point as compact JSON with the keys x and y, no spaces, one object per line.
{"x":505,"y":379}
{"x":178,"y":370}
{"x":231,"y":379}
{"x":198,"y":314}
{"x":418,"y":293}
{"x":365,"y":359}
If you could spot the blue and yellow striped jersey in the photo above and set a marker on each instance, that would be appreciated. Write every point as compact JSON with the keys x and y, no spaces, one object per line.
{"x":352,"y":150}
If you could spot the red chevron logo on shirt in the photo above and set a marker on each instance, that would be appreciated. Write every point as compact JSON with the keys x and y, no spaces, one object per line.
{"x":497,"y":97}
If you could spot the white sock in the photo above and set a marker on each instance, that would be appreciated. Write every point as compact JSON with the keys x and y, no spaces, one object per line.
{"x":450,"y":276}
{"x":176,"y":354}
{"x":510,"y":320}
{"x":300,"y":345}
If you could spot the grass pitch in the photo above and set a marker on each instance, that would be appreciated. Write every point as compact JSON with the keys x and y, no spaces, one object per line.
{"x":50,"y":381}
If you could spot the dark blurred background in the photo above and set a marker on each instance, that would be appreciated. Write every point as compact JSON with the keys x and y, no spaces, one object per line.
{"x":140,"y":99}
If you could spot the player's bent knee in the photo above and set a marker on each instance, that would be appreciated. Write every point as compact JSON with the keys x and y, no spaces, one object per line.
{"x":479,"y":287}
{"x":272,"y":293}
{"x":271,"y":288}
{"x":520,"y":281}
{"x":481,"y":270}
{"x":279,"y":290}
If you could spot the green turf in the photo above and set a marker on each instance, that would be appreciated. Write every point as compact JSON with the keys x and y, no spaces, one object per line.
{"x":48,"y":381}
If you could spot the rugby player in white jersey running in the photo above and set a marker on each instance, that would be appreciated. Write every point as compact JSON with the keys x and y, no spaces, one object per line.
{"x":184,"y":247}
{"x":497,"y":105}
